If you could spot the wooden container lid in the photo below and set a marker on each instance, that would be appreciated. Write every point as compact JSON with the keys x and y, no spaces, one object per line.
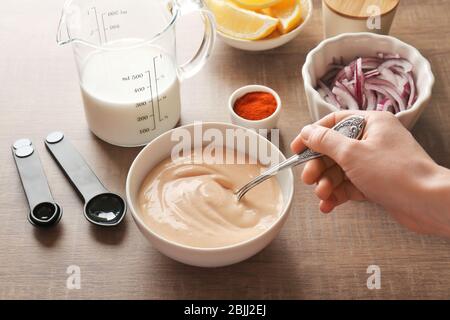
{"x":357,"y":9}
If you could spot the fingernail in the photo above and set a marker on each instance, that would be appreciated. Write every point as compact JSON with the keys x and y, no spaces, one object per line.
{"x":306,"y":131}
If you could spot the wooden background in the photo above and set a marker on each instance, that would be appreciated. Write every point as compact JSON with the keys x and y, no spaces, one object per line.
{"x":314,"y":257}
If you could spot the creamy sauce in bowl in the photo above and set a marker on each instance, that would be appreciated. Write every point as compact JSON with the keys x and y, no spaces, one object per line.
{"x":193,"y":203}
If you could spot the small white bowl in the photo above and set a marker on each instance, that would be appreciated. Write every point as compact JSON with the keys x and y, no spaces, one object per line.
{"x":267,"y":123}
{"x":351,"y":45}
{"x":267,"y":44}
{"x":160,"y":149}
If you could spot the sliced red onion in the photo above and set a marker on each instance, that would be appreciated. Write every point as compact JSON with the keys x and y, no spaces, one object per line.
{"x":359,"y":82}
{"x":371,"y":73}
{"x":388,"y":75}
{"x":405,"y":64}
{"x":384,"y":82}
{"x":347,"y":85}
{"x":348,"y":72}
{"x":383,"y":91}
{"x":371,"y":99}
{"x":346,"y":97}
{"x":371,"y":63}
{"x":388,"y":106}
{"x":379,"y":96}
{"x":329,"y":94}
{"x":412,"y":87}
{"x":402,"y":79}
{"x":391,"y":89}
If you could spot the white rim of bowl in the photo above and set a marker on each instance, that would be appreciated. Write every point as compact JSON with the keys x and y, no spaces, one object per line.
{"x":138,"y":220}
{"x":297,"y":29}
{"x":425,"y":93}
{"x":234,"y":96}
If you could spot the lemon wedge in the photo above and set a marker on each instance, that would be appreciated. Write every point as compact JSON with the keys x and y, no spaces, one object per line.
{"x":256,"y":4}
{"x":240,"y":23}
{"x":289,"y":12}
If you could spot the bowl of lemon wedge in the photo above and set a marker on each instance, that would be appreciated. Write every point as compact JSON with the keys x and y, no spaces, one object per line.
{"x":257,"y":25}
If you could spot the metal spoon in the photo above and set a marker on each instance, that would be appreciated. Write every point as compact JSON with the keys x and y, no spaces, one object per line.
{"x":101,"y":207}
{"x":44,"y":211}
{"x":351,"y":127}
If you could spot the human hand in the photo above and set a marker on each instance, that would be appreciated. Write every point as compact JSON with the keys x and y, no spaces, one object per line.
{"x":387,"y":166}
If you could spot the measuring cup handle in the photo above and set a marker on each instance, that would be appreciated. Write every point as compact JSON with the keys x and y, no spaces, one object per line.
{"x":194,"y":65}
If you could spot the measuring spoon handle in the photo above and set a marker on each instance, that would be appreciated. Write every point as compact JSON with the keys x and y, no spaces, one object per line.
{"x":31,"y":174}
{"x":44,"y":211}
{"x":74,"y":166}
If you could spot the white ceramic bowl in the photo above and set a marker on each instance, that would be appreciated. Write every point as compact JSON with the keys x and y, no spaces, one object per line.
{"x":158,"y":150}
{"x":267,"y":123}
{"x":267,"y":44}
{"x":350,"y":45}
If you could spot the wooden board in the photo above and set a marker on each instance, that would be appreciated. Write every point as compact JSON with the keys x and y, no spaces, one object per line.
{"x":315,"y":256}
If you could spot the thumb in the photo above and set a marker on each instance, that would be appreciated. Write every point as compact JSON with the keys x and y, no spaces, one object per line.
{"x":328,"y":142}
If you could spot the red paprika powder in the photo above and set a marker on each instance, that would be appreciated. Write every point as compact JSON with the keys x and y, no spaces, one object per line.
{"x":255,"y":105}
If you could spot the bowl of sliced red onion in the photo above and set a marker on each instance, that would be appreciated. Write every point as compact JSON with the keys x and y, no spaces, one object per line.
{"x":365,"y":71}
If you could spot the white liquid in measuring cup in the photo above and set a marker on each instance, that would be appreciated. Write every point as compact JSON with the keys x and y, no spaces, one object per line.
{"x":130,"y":96}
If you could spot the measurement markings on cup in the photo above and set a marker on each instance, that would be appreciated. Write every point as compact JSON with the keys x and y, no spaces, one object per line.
{"x":152,"y":86}
{"x":151,"y":98}
{"x":106,"y":27}
{"x":142,"y":105}
{"x":156,"y":85}
{"x":94,"y":9}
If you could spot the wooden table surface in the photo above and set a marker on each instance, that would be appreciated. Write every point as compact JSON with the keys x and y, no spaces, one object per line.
{"x":315,"y":257}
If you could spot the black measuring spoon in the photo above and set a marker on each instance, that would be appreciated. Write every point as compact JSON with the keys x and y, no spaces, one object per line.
{"x":101,"y":207}
{"x":44,"y":211}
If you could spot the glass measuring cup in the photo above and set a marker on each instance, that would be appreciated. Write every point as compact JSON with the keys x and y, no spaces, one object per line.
{"x":125,"y":52}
